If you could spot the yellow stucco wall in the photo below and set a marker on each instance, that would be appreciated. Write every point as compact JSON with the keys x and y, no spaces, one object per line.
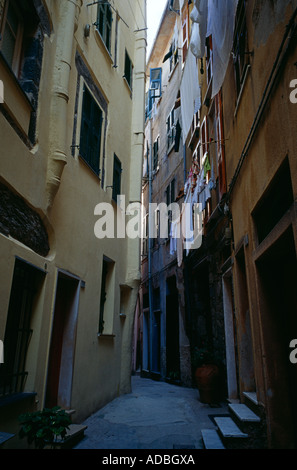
{"x":66,"y":202}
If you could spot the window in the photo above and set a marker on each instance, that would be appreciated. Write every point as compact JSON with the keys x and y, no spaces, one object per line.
{"x":220,"y":145}
{"x":185,"y":31}
{"x":104,"y":24}
{"x":156,"y":154}
{"x":26,"y":286}
{"x":209,"y":54}
{"x":91,"y":126}
{"x":240,"y":49}
{"x":204,"y":137}
{"x":128,"y":70}
{"x":107,"y":297}
{"x":11,"y":34}
{"x":174,"y":55}
{"x":156,"y":83}
{"x":275,"y":202}
{"x":155,"y":90}
{"x":170,"y":198}
{"x":117,"y":173}
{"x":145,"y":237}
{"x":170,"y":125}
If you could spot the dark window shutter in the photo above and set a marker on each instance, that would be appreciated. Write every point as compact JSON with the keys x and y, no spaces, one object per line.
{"x":128,"y":69}
{"x":90,"y":137}
{"x":117,"y":172}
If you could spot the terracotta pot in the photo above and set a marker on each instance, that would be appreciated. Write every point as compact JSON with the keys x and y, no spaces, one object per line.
{"x":207,"y":380}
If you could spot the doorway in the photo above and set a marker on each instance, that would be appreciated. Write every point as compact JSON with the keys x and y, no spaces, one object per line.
{"x":231,"y":336}
{"x":172,"y":330}
{"x":277,"y":278}
{"x":62,"y":349}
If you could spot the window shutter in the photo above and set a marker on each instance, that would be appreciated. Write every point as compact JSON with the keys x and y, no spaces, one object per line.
{"x":128,"y":69}
{"x":172,"y":196}
{"x":117,"y":171}
{"x":220,"y":146}
{"x":90,"y":136}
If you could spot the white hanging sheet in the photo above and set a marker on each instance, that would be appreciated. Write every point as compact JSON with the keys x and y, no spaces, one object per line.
{"x":190,"y":92}
{"x":221,"y":22}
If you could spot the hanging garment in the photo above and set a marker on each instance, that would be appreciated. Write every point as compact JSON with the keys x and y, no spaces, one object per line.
{"x":190,"y":92}
{"x":199,"y":16}
{"x":180,"y":249}
{"x":174,"y":235}
{"x":206,"y":166}
{"x":221,"y":22}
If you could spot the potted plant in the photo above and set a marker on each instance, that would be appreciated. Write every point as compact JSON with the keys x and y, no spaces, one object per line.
{"x":45,"y":428}
{"x":207,"y":374}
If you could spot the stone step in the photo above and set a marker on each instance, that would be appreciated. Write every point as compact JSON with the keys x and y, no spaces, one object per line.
{"x":211,"y":439}
{"x":229,"y":429}
{"x":74,"y":434}
{"x":244,"y":413}
{"x":252,"y":397}
{"x":250,"y":400}
{"x":4,"y":437}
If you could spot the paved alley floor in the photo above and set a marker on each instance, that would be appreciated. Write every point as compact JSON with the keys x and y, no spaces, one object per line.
{"x":156,"y":415}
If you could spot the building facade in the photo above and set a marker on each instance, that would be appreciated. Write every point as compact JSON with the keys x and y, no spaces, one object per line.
{"x":161,"y":317}
{"x":237,"y":96}
{"x":72,"y":126}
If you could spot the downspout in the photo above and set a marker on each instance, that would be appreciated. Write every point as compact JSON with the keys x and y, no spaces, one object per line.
{"x":67,"y":22}
{"x":150,"y":231}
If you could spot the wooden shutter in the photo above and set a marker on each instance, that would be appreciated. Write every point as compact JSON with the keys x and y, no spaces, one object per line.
{"x":90,"y":136}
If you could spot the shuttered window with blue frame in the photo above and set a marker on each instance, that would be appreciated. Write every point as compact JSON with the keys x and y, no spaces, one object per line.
{"x":155,"y":90}
{"x":91,"y":130}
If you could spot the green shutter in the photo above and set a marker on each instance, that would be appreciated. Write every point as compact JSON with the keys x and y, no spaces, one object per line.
{"x":90,"y":135}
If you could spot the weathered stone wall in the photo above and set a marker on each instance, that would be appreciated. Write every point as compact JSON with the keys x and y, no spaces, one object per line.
{"x":21,"y":222}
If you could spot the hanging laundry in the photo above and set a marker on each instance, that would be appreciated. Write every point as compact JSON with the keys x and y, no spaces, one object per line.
{"x":206,"y":166}
{"x":174,"y":235}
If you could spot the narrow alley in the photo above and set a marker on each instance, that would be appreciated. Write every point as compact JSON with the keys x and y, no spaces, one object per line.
{"x":156,"y":415}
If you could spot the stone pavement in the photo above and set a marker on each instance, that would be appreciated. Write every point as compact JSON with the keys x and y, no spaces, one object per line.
{"x":156,"y":415}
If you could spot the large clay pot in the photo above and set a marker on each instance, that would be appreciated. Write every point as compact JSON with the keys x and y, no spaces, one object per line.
{"x":207,"y":380}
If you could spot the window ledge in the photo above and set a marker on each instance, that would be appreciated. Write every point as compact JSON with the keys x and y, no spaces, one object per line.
{"x":128,"y":86}
{"x":241,"y":89}
{"x":102,"y":44}
{"x":16,"y":398}
{"x":83,"y":160}
{"x":104,"y":335}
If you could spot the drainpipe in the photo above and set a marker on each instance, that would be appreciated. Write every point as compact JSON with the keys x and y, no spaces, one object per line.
{"x":150,"y":231}
{"x":67,"y":22}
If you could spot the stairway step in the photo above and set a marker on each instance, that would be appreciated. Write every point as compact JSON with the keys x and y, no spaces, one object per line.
{"x":252,"y":396}
{"x":74,"y":434}
{"x":4,"y":437}
{"x":211,"y":439}
{"x":244,"y":413}
{"x":229,"y":429}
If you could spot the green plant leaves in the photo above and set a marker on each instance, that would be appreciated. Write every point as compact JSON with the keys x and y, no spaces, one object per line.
{"x":44,"y":427}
